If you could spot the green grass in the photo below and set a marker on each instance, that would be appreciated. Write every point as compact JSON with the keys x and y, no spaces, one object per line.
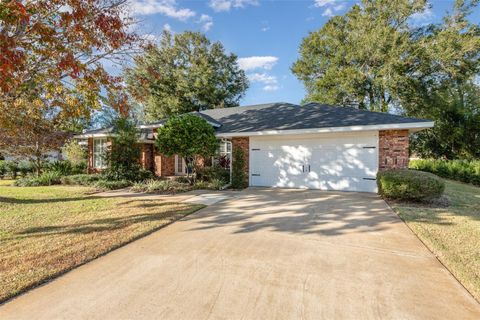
{"x":45,"y":231}
{"x":451,"y":233}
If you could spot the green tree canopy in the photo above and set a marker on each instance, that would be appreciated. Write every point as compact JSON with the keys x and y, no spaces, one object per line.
{"x":374,"y":58}
{"x":123,"y":153}
{"x":188,"y":136}
{"x":185,"y":73}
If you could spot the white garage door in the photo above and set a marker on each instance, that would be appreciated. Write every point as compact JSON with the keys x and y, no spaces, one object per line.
{"x":324,"y":161}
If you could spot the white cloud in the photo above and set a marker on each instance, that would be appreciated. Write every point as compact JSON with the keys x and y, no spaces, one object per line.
{"x":257,"y":62}
{"x":422,"y":18}
{"x":226,"y":5}
{"x":167,"y":27}
{"x":270,"y":82}
{"x":327,"y":13}
{"x":166,"y":7}
{"x":265,"y":29}
{"x":271,"y":88}
{"x":207,"y":22}
{"x":331,"y":7}
{"x":262,"y":78}
{"x":323,"y":3}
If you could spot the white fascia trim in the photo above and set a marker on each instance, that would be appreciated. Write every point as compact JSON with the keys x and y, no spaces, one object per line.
{"x":411,"y":125}
{"x":154,"y":126}
{"x":104,"y":135}
{"x":92,"y":135}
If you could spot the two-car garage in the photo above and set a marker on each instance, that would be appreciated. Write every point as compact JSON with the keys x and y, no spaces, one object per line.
{"x":326,"y":161}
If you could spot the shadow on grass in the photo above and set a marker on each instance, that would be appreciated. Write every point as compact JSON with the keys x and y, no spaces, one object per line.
{"x":111,"y":223}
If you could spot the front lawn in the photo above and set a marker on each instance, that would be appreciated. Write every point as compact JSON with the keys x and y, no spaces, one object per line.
{"x":452,"y":233}
{"x":45,"y":231}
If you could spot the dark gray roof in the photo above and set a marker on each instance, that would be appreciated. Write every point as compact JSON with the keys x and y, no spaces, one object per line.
{"x":287,"y":116}
{"x":212,"y":121}
{"x":145,"y":134}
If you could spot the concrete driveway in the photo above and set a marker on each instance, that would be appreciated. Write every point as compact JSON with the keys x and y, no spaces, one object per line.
{"x":265,"y":254}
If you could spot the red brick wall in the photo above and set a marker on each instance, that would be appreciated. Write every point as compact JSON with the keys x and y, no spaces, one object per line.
{"x":393,"y":149}
{"x":164,"y":166}
{"x":244,"y":144}
{"x":90,"y":155}
{"x":146,"y":156}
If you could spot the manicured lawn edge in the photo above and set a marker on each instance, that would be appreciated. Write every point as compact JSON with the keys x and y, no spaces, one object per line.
{"x":54,"y":276}
{"x":450,"y":232}
{"x":433,"y":252}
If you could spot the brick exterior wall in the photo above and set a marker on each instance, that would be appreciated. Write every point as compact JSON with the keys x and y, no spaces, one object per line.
{"x":90,"y":156}
{"x":244,"y":144}
{"x":146,"y":156}
{"x":164,"y":166}
{"x":393,"y":149}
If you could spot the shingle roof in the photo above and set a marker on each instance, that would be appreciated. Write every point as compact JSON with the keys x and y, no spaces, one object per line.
{"x":284,"y":116}
{"x":287,"y":116}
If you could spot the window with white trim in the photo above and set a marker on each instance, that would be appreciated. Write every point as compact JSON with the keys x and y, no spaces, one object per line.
{"x":99,"y":150}
{"x":224,"y":154}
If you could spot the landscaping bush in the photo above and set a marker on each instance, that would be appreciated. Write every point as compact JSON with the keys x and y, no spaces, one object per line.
{"x":62,"y":167}
{"x":11,"y":167}
{"x":111,"y":184}
{"x":153,"y":185}
{"x":45,"y":179}
{"x":123,"y":154}
{"x":213,"y":173}
{"x":3,"y":169}
{"x":80,"y":179}
{"x":25,"y":168}
{"x":239,"y":178}
{"x":409,"y":185}
{"x":460,"y":170}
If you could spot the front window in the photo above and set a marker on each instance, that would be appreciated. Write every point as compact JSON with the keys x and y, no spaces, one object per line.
{"x":99,"y":150}
{"x":224,"y":154}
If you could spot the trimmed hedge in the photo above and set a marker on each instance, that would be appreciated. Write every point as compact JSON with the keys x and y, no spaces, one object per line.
{"x":81,"y":179}
{"x":460,"y":170}
{"x":409,"y":185}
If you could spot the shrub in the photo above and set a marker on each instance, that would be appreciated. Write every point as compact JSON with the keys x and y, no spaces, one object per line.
{"x":111,"y":184}
{"x":49,"y":178}
{"x":75,"y":153}
{"x":3,"y":169}
{"x":62,"y":167}
{"x":239,"y":179}
{"x":45,"y":179}
{"x":217,"y":184}
{"x":80,"y":179}
{"x":213,"y":173}
{"x":153,"y":185}
{"x":460,"y":170}
{"x":25,"y":168}
{"x":11,"y":167}
{"x":409,"y":185}
{"x":123,"y":154}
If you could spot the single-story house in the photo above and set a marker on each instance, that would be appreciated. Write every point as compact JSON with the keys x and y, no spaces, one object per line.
{"x":313,"y":146}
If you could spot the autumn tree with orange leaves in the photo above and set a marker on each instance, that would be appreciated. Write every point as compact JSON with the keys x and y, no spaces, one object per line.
{"x":51,"y":72}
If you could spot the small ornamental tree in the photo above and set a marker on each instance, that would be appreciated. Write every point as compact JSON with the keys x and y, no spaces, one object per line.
{"x":123,"y":154}
{"x":74,"y":152}
{"x":189,"y":137}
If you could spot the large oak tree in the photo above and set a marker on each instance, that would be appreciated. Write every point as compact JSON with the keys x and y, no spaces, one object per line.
{"x":186,"y":72}
{"x":51,"y":71}
{"x":375,"y":58}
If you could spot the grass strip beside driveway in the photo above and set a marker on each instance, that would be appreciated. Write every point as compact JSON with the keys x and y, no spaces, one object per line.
{"x":452,"y":233}
{"x":45,"y":231}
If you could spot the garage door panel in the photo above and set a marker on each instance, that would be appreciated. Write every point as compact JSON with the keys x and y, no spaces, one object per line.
{"x":327,"y":163}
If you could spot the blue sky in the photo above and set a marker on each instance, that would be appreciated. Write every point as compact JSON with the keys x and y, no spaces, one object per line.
{"x":264,"y":34}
